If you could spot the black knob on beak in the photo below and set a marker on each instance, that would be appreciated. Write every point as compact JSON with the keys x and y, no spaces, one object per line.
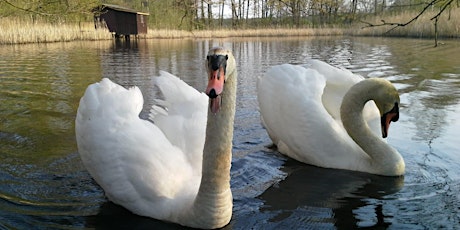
{"x":212,"y":94}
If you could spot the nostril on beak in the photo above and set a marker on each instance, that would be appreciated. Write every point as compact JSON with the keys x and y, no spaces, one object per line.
{"x":212,"y":93}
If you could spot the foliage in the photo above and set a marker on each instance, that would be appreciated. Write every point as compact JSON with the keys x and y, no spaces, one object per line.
{"x":237,"y":14}
{"x":56,"y":11}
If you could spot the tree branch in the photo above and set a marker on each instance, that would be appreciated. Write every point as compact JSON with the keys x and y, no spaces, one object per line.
{"x":395,"y":24}
{"x":23,"y":9}
{"x":443,"y":8}
{"x":445,"y":5}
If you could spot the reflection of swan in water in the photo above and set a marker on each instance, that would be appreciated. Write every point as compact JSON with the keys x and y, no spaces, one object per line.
{"x":112,"y":216}
{"x":323,"y":197}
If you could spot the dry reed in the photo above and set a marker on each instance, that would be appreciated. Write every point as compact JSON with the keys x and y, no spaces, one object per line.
{"x":222,"y":33}
{"x":16,"y":31}
{"x":423,"y":27}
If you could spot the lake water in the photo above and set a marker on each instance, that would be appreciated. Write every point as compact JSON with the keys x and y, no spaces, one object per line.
{"x":43,"y":184}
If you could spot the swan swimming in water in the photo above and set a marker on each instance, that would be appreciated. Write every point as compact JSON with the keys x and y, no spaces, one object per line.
{"x":176,"y":169}
{"x":325,"y":116}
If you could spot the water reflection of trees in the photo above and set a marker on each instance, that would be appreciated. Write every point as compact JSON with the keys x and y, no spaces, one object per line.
{"x":431,"y":79}
{"x":40,"y":94}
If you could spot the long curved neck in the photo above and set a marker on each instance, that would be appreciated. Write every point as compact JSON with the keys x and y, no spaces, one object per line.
{"x":384,"y":159}
{"x":213,"y":204}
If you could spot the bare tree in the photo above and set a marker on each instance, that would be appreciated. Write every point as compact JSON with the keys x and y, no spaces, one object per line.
{"x":353,"y":8}
{"x":247,"y":11}
{"x":221,"y":10}
{"x":235,"y":15}
{"x":209,"y":8}
{"x":444,"y":5}
{"x":296,"y":8}
{"x":53,"y":9}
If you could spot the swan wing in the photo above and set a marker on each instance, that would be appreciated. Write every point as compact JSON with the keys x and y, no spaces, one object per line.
{"x":130,"y":158}
{"x":291,"y":106}
{"x":338,"y":82}
{"x":181,"y":114}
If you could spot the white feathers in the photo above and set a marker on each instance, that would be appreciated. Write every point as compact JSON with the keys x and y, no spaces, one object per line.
{"x":155,"y":168}
{"x":300,"y":109}
{"x":139,"y":164}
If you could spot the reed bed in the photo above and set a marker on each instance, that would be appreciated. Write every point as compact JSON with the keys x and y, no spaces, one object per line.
{"x":224,"y":33}
{"x":16,"y":31}
{"x":19,"y":31}
{"x":423,"y":27}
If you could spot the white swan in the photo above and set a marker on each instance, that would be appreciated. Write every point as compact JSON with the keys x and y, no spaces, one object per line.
{"x":176,"y":169}
{"x":302,"y":110}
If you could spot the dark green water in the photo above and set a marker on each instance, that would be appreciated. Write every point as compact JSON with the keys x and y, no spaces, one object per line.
{"x":43,"y":184}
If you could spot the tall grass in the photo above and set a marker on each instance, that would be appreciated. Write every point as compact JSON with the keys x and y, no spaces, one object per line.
{"x":221,"y":33}
{"x":423,"y":27}
{"x":18,"y":31}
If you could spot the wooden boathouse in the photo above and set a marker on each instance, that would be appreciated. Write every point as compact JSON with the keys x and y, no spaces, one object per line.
{"x":120,"y":20}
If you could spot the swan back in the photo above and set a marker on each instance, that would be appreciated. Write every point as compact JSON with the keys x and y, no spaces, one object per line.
{"x":338,"y":81}
{"x":290,"y":101}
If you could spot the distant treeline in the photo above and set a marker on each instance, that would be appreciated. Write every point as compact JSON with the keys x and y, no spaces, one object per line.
{"x":218,"y":14}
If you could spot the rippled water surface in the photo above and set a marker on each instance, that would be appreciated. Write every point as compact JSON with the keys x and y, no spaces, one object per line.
{"x":43,"y":184}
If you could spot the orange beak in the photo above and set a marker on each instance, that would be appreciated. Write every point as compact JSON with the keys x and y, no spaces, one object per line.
{"x":387,"y":118}
{"x":215,"y":88}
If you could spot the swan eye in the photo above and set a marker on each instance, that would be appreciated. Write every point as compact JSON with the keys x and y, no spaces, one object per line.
{"x":217,"y":61}
{"x":396,"y":111}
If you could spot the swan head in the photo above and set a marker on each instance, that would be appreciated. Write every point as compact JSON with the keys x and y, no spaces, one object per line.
{"x":220,"y":65}
{"x":387,"y":100}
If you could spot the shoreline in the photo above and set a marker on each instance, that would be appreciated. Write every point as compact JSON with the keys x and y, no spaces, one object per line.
{"x":99,"y":35}
{"x":17,"y":31}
